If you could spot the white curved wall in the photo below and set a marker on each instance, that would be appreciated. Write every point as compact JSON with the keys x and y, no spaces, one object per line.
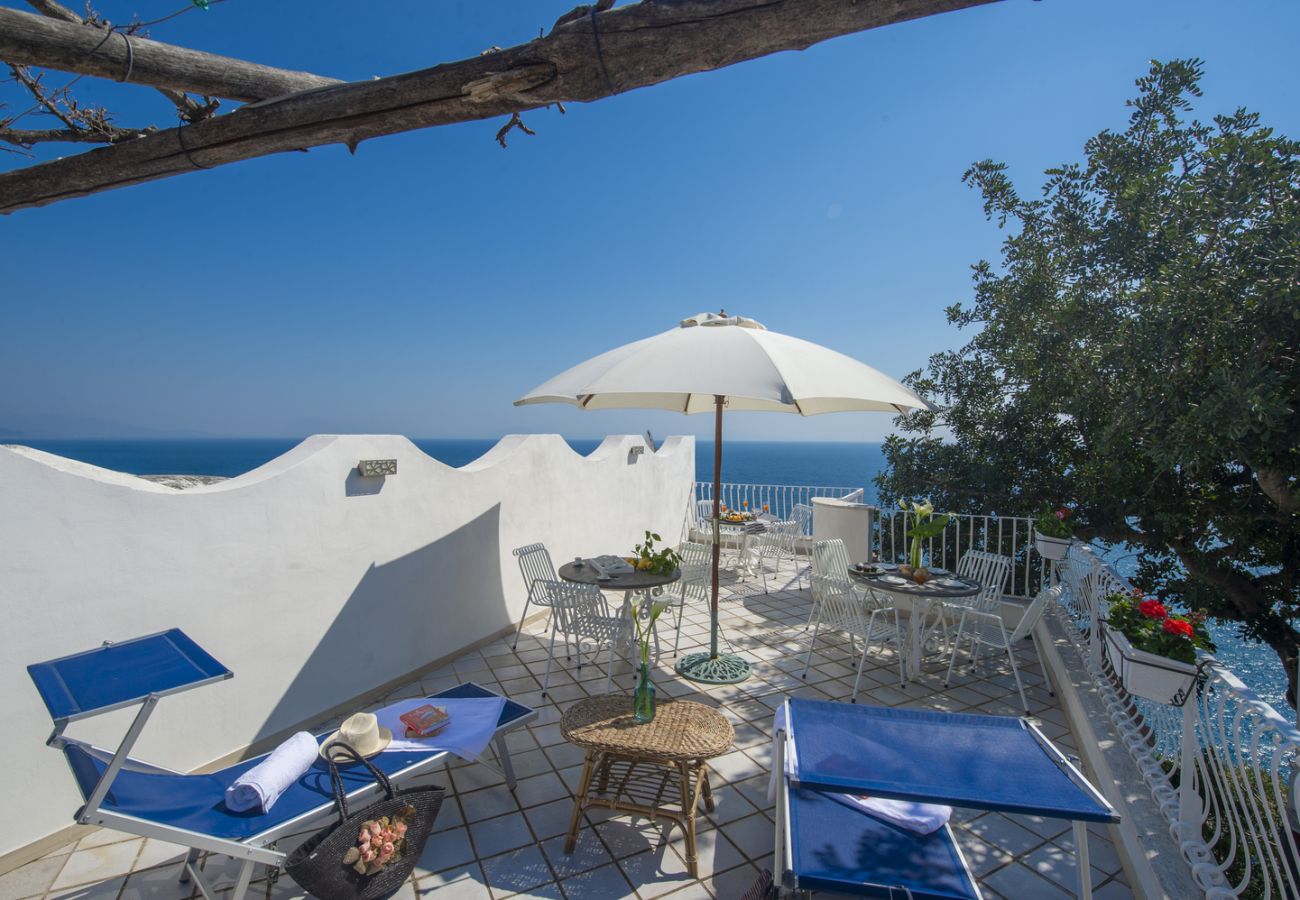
{"x":312,"y":584}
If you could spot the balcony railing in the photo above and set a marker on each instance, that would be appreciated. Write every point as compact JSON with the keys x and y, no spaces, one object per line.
{"x":1235,"y":817}
{"x":1010,"y":536}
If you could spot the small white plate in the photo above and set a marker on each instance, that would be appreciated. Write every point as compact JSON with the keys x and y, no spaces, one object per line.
{"x":894,"y":579}
{"x":950,"y":583}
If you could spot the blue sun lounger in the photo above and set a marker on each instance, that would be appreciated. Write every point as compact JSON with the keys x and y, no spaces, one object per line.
{"x":189,"y":809}
{"x":976,"y":761}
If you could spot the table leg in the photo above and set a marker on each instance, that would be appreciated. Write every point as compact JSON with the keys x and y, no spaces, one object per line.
{"x":688,"y":817}
{"x":918,"y":630}
{"x":708,"y":791}
{"x":580,"y":801}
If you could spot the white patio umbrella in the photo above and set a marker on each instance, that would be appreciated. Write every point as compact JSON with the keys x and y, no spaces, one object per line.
{"x":709,"y":362}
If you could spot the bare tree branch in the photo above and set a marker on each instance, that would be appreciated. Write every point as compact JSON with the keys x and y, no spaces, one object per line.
{"x":30,"y":137}
{"x":586,"y":59}
{"x":31,"y":40}
{"x":189,"y":109}
{"x":515,"y":122}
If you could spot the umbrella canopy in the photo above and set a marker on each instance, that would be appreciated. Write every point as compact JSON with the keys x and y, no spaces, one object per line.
{"x":714,"y":360}
{"x":686,"y":368}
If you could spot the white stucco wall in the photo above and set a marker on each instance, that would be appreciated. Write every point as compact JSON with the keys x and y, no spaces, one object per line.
{"x":312,"y":584}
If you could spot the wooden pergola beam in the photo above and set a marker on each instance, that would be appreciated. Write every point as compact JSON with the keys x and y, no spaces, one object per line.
{"x":33,"y":40}
{"x":585,"y":57}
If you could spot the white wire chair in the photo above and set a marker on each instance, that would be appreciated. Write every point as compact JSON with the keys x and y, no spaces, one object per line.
{"x":773,"y":545}
{"x":535,"y":566}
{"x":829,"y":558}
{"x":983,"y":624}
{"x":702,"y":529}
{"x":841,"y":608}
{"x":581,"y":613}
{"x":696,"y":583}
{"x":991,"y":571}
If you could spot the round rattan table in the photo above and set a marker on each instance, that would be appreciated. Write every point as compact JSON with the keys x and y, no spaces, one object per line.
{"x":649,"y":768}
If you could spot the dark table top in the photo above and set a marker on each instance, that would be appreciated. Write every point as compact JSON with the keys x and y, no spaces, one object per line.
{"x":931,"y":588}
{"x":632,"y":581}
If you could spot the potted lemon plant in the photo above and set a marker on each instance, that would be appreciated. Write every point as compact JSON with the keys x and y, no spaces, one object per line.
{"x":1052,"y":535}
{"x":1152,"y":651}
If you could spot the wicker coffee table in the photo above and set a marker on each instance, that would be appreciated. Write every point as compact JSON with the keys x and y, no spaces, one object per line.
{"x":657,"y":769}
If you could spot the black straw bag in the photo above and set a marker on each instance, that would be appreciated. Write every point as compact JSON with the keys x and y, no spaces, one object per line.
{"x":318,"y":864}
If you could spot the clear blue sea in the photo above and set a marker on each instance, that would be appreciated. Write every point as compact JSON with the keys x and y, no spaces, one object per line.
{"x":754,"y":462}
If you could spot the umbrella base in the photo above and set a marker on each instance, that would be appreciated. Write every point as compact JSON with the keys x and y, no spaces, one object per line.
{"x":708,"y":669}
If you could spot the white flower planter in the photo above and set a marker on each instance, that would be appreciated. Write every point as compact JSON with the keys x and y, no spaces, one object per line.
{"x":1051,"y":547}
{"x":1144,"y":674}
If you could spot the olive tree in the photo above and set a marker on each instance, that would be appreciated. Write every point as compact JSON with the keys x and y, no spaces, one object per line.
{"x":1134,"y":357}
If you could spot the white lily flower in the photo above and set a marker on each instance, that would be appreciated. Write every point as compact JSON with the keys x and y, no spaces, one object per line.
{"x":926,"y":509}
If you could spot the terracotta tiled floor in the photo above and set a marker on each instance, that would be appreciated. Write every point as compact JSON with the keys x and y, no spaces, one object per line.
{"x":492,"y":843}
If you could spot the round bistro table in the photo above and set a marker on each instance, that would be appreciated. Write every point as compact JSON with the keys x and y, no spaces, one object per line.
{"x":648,"y":584}
{"x":917,"y":599}
{"x":655,"y":769}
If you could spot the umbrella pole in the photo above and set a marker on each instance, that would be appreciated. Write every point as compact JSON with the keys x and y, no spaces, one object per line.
{"x":711,"y":667}
{"x":717,"y":528}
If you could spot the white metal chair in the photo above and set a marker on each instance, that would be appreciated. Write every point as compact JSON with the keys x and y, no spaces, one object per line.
{"x":991,"y":571}
{"x":535,"y":566}
{"x":983,"y":624}
{"x":774,"y":545}
{"x":701,"y":530}
{"x":841,"y":608}
{"x":829,"y":558}
{"x":582,"y":613}
{"x":696,"y":582}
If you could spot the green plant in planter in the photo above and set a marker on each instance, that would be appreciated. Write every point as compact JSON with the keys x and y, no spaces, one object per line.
{"x":1148,"y":625}
{"x":659,"y":562}
{"x":922,"y":524}
{"x":1052,"y":523}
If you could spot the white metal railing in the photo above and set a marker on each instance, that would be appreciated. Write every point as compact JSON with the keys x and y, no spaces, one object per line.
{"x":1010,"y":536}
{"x":776,"y":499}
{"x":1222,"y":768}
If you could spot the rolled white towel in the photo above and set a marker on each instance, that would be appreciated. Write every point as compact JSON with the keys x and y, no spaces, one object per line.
{"x":263,"y":784}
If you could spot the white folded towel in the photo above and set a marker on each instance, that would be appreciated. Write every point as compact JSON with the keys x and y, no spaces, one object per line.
{"x":918,"y":818}
{"x":263,"y":784}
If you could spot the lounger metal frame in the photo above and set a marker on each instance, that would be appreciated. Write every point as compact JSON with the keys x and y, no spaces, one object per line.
{"x":257,"y":848}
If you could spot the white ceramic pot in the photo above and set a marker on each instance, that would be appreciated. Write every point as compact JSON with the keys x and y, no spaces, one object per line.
{"x":1144,"y":674}
{"x":1051,"y":547}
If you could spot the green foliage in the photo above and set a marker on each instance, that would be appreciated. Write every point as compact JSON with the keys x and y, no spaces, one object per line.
{"x":1136,"y":351}
{"x":1052,"y":523}
{"x":660,"y":562}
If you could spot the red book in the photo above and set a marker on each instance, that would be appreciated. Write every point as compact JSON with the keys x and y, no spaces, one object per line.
{"x":425,"y":721}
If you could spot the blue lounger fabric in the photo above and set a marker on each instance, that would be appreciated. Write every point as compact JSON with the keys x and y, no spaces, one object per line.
{"x":837,"y":848}
{"x":117,"y":674}
{"x":197,"y":802}
{"x":955,"y":758}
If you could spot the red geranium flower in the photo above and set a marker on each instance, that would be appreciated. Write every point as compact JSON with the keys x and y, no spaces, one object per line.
{"x":1062,"y":514}
{"x":1153,"y":609}
{"x":1180,"y":627}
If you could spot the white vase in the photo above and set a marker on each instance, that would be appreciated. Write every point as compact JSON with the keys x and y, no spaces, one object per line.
{"x":1148,"y":675}
{"x":1051,"y":547}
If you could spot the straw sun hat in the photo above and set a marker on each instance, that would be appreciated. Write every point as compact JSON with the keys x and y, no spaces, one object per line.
{"x":362,"y":732}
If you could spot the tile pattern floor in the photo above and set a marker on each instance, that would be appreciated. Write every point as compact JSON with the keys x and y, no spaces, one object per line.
{"x":491,"y":843}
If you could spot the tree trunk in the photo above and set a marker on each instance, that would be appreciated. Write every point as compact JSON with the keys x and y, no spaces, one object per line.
{"x":583,"y":59}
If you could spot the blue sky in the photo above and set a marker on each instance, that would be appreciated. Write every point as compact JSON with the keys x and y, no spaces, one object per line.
{"x":422,"y":285}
